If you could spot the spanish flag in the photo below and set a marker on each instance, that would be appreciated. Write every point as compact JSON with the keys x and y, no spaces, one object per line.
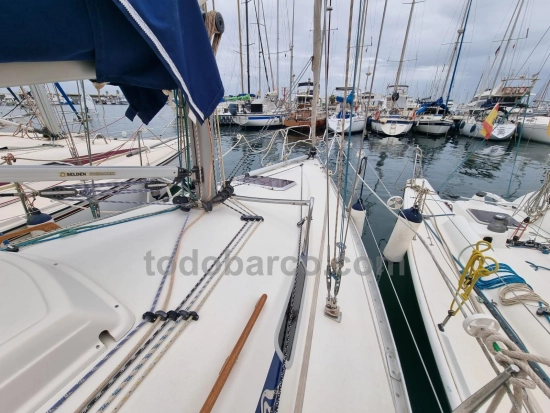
{"x":487,"y":126}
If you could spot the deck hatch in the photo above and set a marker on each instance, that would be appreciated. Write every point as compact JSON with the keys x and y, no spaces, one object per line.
{"x":276,"y":184}
{"x":486,"y":217}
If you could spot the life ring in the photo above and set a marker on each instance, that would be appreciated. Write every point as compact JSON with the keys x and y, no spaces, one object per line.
{"x":377,"y":115}
{"x":522,"y":90}
{"x":507,"y":90}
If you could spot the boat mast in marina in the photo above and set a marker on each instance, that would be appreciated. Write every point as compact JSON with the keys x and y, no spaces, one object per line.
{"x":316,"y":66}
{"x":247,"y":47}
{"x":508,"y":41}
{"x":261,"y":4}
{"x":395,"y":122}
{"x":278,"y":84}
{"x":457,"y":46}
{"x":291,"y":80}
{"x":241,"y":42}
{"x":403,"y":49}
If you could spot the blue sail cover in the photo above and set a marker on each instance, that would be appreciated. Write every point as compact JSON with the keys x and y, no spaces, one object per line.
{"x":349,"y":99}
{"x":143,"y":46}
{"x":437,"y":103}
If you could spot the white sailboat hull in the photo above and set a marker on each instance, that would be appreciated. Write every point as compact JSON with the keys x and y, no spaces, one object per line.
{"x":462,"y":363}
{"x":535,"y":129}
{"x":258,"y":121}
{"x":391,"y":127}
{"x":356,"y":125}
{"x":433,"y":125}
{"x":501,"y":132}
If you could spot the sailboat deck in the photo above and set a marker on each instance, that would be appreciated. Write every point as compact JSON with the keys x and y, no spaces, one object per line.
{"x":348,"y":366}
{"x":462,"y":364}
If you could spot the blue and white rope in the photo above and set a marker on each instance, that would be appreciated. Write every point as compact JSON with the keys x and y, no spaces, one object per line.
{"x":115,"y":377}
{"x":128,"y":336}
{"x":174,"y":325}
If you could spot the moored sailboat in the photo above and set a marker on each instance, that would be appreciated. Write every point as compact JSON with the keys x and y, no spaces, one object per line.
{"x":474,"y":267}
{"x":397,"y":120}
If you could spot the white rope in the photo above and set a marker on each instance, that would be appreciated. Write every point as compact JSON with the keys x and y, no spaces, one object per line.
{"x":529,"y":295}
{"x":538,"y":202}
{"x":512,"y":354}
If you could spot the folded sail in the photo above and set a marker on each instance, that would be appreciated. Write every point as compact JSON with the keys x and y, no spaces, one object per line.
{"x":142,"y":46}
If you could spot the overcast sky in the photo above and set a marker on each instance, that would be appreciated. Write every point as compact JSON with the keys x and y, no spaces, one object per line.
{"x":432,"y":34}
{"x":434,"y":25}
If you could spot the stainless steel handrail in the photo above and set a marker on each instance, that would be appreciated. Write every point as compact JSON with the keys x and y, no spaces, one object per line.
{"x":308,"y":226}
{"x":299,"y":202}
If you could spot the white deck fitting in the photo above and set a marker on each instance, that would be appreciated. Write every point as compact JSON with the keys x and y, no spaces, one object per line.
{"x":462,"y":365}
{"x":348,"y":368}
{"x":11,"y":210}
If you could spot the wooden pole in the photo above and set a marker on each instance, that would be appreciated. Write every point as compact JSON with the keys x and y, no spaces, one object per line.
{"x":232,"y":359}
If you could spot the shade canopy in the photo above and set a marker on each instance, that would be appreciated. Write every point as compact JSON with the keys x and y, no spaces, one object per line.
{"x":142,"y":46}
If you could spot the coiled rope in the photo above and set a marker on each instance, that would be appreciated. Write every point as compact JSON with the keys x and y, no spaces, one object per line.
{"x":213,"y":34}
{"x":512,"y":354}
{"x":538,"y":202}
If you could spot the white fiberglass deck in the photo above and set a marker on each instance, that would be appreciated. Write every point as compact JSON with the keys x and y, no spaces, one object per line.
{"x":347,"y":367}
{"x":462,"y":364}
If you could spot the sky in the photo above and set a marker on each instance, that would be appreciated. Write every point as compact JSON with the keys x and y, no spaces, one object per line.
{"x":432,"y":34}
{"x":433,"y":31}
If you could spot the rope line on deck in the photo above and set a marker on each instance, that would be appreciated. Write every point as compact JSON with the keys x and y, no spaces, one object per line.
{"x":131,"y":333}
{"x":290,"y":319}
{"x":186,"y":323}
{"x":113,"y":379}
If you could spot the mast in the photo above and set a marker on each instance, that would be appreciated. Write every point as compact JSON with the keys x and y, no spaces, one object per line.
{"x":461,"y":32}
{"x":291,"y":52}
{"x":277,"y":48}
{"x":261,"y":4}
{"x":247,"y":46}
{"x":361,"y":48}
{"x":506,"y":48}
{"x":260,"y":50}
{"x":375,"y":62}
{"x":316,"y":65}
{"x":400,"y":68}
{"x":260,"y":62}
{"x":240,"y":44}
